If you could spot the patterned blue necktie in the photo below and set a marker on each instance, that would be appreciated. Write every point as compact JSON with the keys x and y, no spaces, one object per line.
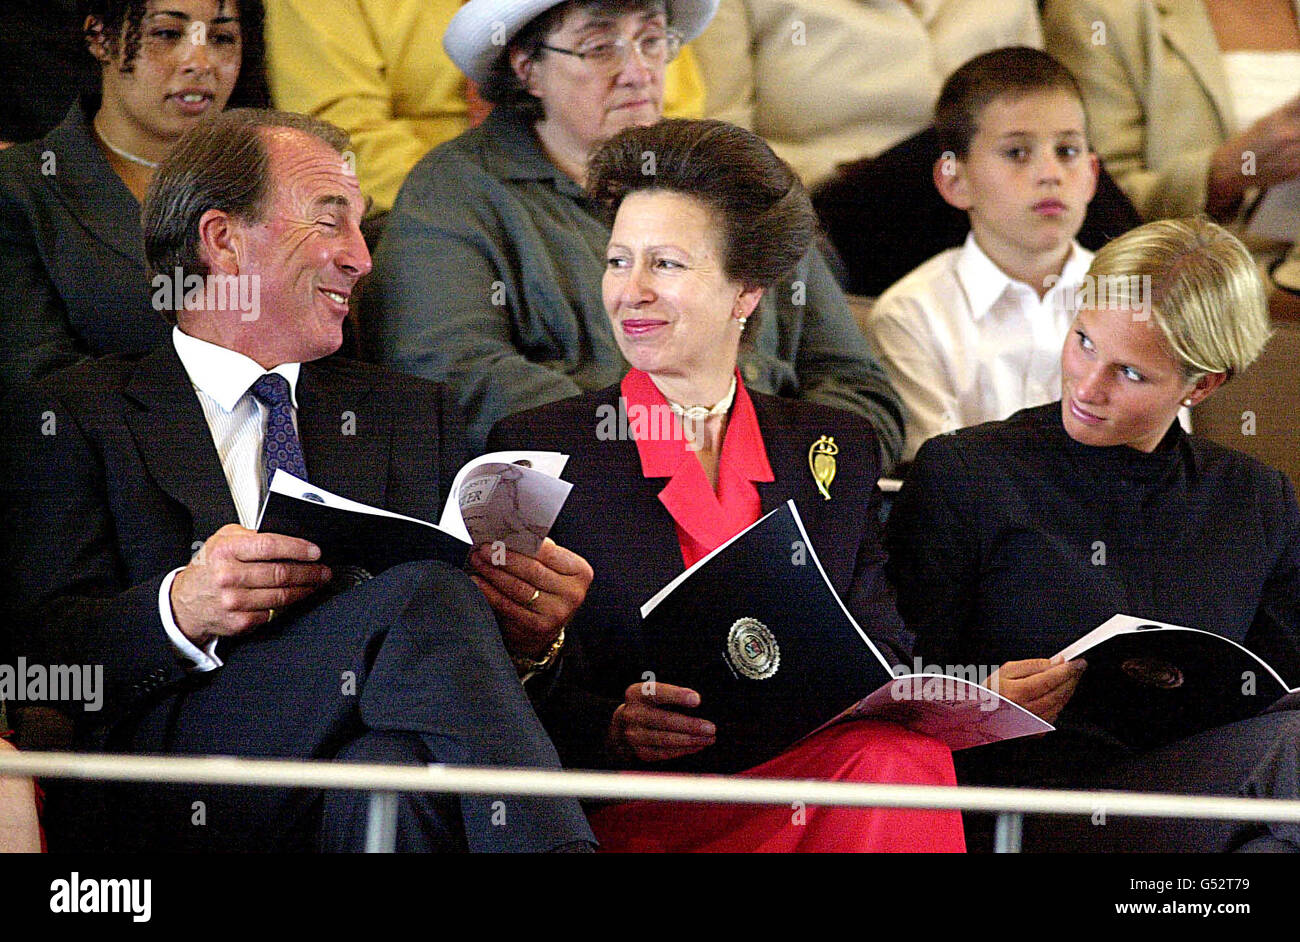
{"x":280,"y":446}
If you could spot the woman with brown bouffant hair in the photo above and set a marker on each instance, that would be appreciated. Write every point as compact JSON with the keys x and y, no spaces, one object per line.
{"x":705,"y":219}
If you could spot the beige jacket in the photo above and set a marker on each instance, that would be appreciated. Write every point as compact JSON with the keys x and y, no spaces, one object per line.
{"x":830,"y":81}
{"x":1157,"y":97}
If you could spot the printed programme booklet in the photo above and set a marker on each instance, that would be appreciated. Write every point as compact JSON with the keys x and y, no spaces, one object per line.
{"x":757,"y":629}
{"x":513,"y":497}
{"x":1149,"y":683}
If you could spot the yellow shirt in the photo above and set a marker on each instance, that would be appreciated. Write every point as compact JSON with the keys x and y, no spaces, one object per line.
{"x":377,"y":69}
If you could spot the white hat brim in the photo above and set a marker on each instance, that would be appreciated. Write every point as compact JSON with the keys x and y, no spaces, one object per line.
{"x":481,"y":29}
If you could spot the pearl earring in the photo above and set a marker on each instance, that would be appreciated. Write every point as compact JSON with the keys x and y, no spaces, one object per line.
{"x":1187,"y":401}
{"x":742,"y":321}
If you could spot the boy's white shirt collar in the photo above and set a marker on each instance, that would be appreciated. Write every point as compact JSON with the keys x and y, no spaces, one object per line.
{"x":984,"y":283}
{"x":223,"y":374}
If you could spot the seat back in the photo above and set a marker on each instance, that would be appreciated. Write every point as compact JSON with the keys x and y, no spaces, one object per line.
{"x":1258,"y":412}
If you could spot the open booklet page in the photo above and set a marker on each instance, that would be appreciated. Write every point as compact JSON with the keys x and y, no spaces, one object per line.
{"x":509,"y":502}
{"x":758,"y":630}
{"x":350,"y":533}
{"x":510,"y":496}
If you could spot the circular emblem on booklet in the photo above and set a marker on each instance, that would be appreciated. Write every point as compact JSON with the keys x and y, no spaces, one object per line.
{"x":1153,"y":672}
{"x":752,"y":649}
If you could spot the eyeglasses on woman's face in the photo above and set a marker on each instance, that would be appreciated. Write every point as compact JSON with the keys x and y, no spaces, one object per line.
{"x":609,"y":54}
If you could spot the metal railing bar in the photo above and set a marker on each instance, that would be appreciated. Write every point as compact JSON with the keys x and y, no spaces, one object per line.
{"x":633,"y":786}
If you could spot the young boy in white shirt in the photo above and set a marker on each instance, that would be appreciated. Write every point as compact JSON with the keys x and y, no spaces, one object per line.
{"x":975,"y":333}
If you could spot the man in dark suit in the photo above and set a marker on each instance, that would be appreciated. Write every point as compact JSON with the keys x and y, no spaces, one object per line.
{"x":125,"y":477}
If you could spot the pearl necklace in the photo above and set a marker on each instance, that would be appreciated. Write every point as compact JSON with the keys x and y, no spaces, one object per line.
{"x":700,"y":413}
{"x":125,"y":155}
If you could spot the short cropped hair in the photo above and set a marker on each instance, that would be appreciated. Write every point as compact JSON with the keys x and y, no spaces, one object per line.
{"x":1205,"y":291}
{"x":1011,"y":72}
{"x":221,"y":163}
{"x":503,"y":87}
{"x":766,"y":219}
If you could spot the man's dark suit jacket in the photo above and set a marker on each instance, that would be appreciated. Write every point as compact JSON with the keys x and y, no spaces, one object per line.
{"x":72,"y":270}
{"x":114,"y":481}
{"x":614,"y":519}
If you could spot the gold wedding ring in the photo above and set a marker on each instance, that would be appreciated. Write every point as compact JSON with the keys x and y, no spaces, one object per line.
{"x":536,"y":594}
{"x":270,"y":615}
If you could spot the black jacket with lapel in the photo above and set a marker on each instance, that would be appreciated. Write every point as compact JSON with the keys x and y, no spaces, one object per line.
{"x":615,"y":520}
{"x":112,"y":480}
{"x":72,"y":271}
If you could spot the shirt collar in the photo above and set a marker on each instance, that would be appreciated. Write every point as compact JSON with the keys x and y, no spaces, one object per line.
{"x":223,"y":374}
{"x":517,"y":154}
{"x":1075,"y":268}
{"x":661,"y":455}
{"x":984,"y":283}
{"x":1123,"y":465}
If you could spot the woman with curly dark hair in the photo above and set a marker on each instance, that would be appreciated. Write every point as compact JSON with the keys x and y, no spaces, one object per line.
{"x":72,"y":272}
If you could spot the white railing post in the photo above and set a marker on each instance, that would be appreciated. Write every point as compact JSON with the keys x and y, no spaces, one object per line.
{"x":384,"y":783}
{"x":381,"y":823}
{"x":1006,"y":835}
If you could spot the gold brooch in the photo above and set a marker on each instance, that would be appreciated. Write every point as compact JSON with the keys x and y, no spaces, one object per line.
{"x":821,"y":461}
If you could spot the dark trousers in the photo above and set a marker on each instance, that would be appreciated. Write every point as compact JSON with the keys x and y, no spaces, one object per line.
{"x":1257,"y":757}
{"x":407,"y":667}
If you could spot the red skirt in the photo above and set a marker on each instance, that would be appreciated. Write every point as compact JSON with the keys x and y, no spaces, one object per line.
{"x":859,"y":751}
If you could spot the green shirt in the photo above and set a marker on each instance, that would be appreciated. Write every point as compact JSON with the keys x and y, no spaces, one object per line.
{"x":488,"y":279}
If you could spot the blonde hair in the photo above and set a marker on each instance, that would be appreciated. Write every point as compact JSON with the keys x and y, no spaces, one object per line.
{"x":1200,"y":285}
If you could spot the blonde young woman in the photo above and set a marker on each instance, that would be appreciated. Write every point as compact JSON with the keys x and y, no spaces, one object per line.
{"x":1011,"y":540}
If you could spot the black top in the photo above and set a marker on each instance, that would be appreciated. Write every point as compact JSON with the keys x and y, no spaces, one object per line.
{"x":1010,"y":540}
{"x":614,"y":519}
{"x":72,"y":269}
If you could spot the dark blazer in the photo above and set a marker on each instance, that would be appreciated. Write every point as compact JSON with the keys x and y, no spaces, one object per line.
{"x":614,"y":519}
{"x":1011,"y":540}
{"x":72,"y":270}
{"x":112,"y":481}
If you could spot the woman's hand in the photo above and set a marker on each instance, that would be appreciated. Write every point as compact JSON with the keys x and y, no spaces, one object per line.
{"x":646,"y":725}
{"x":1263,"y":155}
{"x":1041,"y":686}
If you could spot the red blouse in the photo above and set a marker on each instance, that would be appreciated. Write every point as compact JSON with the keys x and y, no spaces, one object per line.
{"x":861,"y":751}
{"x":705,"y":519}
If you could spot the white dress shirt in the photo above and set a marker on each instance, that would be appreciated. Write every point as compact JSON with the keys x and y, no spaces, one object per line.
{"x":1261,"y":81}
{"x":237,"y":420}
{"x":964,"y":343}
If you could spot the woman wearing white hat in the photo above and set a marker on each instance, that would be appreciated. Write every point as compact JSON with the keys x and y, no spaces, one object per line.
{"x":488,"y":276}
